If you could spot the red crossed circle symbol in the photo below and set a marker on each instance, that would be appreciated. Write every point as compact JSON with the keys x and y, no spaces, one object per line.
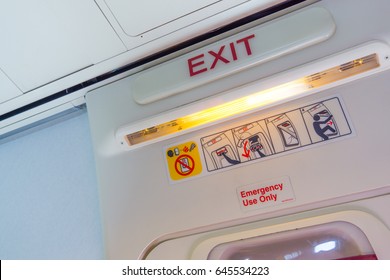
{"x":186,"y":167}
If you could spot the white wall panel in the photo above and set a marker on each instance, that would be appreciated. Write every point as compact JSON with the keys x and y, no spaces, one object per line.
{"x":48,"y":195}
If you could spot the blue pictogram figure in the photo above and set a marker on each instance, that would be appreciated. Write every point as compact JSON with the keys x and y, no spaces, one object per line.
{"x":319,"y":127}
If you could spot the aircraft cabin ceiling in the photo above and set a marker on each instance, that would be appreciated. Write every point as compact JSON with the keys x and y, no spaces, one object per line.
{"x":51,"y":48}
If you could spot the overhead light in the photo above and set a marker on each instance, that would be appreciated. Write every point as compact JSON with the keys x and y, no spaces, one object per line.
{"x":134,"y":136}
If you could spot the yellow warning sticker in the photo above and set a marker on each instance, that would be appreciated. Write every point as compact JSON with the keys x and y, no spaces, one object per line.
{"x":183,"y":161}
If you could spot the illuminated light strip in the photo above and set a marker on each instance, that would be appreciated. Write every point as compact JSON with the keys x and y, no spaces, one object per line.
{"x":254,"y":101}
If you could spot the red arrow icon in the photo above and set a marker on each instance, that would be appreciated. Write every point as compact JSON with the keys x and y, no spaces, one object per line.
{"x":246,"y":151}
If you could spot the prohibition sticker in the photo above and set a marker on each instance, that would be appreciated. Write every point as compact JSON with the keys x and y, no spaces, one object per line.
{"x":183,"y":160}
{"x":184,"y":165}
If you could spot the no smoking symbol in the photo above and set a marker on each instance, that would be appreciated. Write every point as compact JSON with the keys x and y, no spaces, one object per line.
{"x":184,"y":165}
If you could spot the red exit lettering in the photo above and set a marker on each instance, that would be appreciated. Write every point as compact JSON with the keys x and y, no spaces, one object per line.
{"x":225,"y":54}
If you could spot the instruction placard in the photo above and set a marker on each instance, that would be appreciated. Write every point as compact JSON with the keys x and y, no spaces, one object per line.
{"x":275,"y":135}
{"x":257,"y":140}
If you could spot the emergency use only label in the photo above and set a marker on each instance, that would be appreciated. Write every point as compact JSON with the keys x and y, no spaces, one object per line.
{"x":265,"y":194}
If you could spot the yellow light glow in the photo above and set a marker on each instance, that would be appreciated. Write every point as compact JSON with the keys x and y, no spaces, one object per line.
{"x":276,"y":94}
{"x":255,"y":100}
{"x":243,"y":104}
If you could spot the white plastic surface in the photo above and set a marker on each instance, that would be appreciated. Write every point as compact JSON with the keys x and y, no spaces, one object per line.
{"x":172,"y":21}
{"x":8,"y":89}
{"x":234,"y":54}
{"x":141,"y":208}
{"x":157,"y":13}
{"x":46,"y":40}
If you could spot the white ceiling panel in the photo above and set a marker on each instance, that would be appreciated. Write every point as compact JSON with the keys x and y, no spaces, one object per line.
{"x":141,"y":22}
{"x":152,"y":13}
{"x":8,"y":90}
{"x":44,"y":40}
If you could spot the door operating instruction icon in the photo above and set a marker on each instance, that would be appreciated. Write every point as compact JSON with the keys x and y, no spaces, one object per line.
{"x":258,"y":139}
{"x":183,"y":160}
{"x":290,"y":130}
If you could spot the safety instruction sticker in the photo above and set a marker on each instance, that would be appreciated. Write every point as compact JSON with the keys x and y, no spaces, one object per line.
{"x":183,"y":160}
{"x":286,"y":131}
{"x":265,"y":194}
{"x":250,"y":142}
